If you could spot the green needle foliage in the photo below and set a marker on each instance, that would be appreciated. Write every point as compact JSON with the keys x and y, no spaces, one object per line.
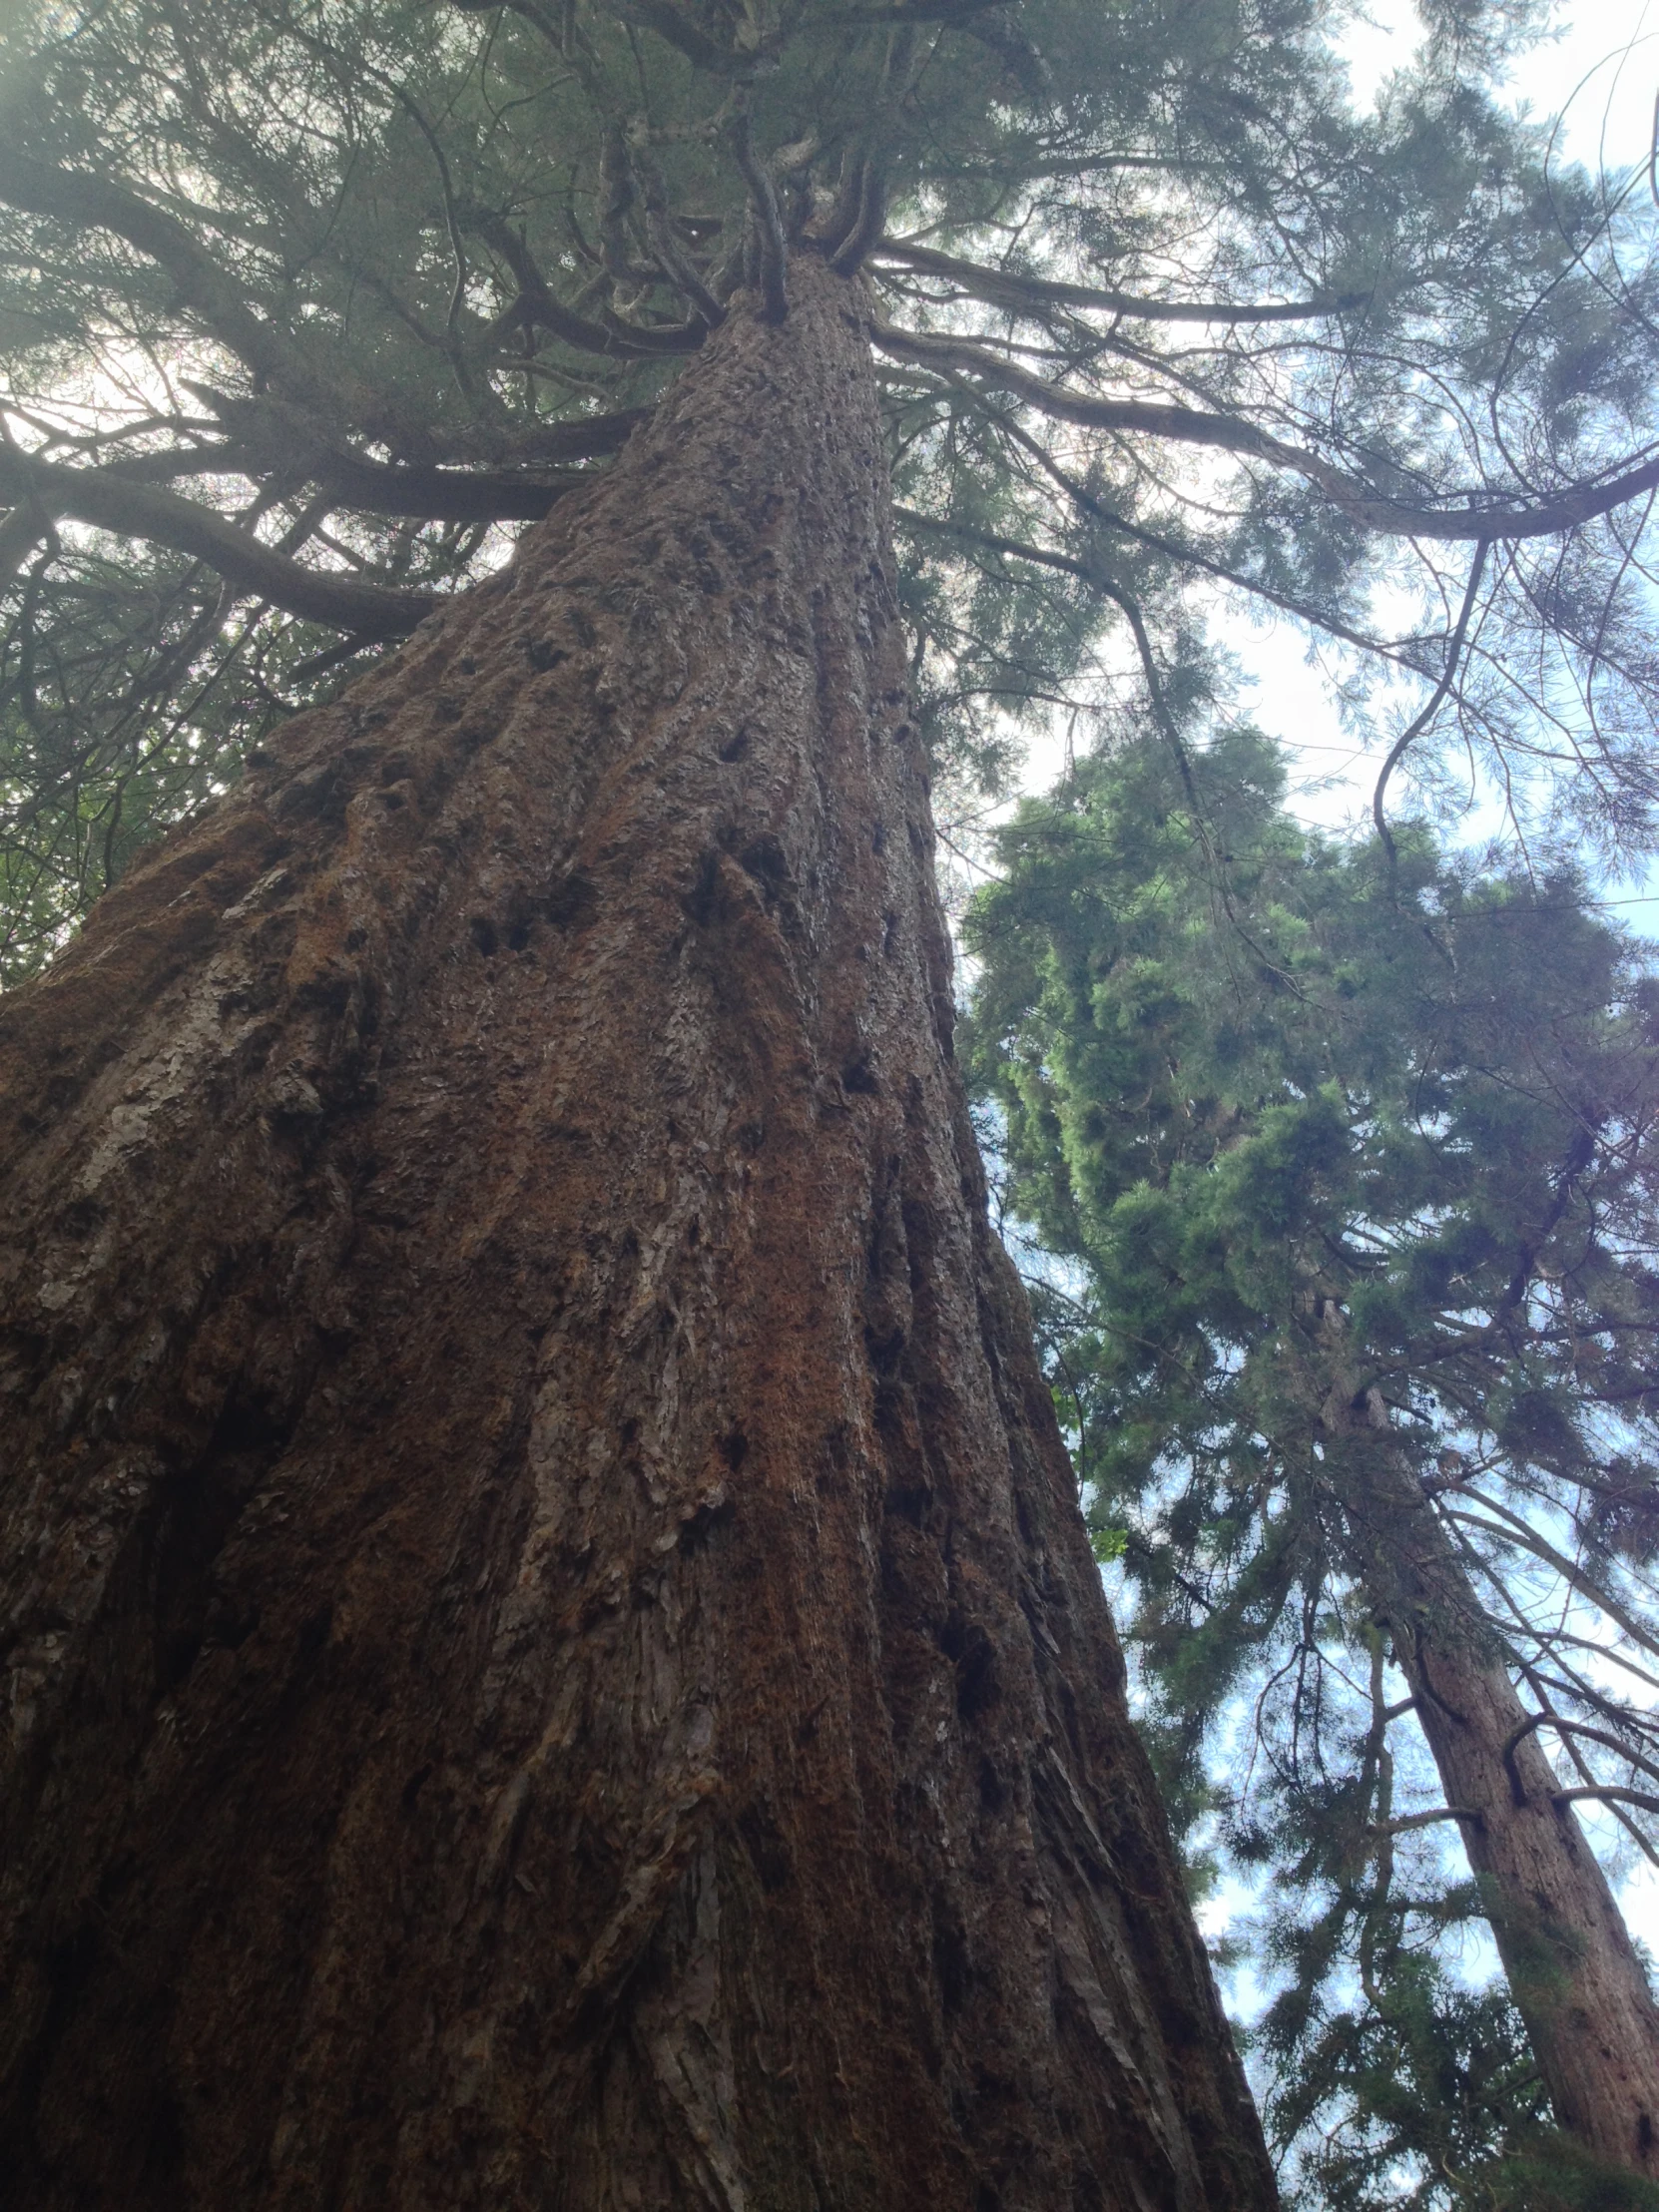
{"x":1239,"y":1076}
{"x":307,"y":306}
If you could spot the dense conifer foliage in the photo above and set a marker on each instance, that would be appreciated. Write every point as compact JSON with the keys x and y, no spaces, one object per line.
{"x":304,"y":306}
{"x":1419,"y":1100}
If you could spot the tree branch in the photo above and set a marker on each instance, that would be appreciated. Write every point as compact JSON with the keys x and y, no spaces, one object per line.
{"x":275,"y":436}
{"x":686,"y":36}
{"x":1172,"y":549}
{"x":1426,"y":1820}
{"x":1567,"y":1727}
{"x":1521,"y":1532}
{"x":536,"y":303}
{"x":1003,"y":288}
{"x":72,"y":195}
{"x":1580,"y":503}
{"x":847,"y":252}
{"x":141,"y":511}
{"x":1408,"y":736}
{"x":768,"y":222}
{"x":29,"y":524}
{"x":1647,"y":1801}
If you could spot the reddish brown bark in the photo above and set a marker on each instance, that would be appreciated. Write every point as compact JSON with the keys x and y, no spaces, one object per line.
{"x":553,"y":1659}
{"x":1574,"y":1976}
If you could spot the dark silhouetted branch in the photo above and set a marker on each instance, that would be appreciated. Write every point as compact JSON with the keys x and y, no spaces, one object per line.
{"x":1549,"y":517}
{"x":1000,"y":287}
{"x":114,"y":503}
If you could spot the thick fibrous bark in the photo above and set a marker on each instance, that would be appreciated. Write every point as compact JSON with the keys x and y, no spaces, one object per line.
{"x":1575,"y":1979}
{"x":552,"y":1656}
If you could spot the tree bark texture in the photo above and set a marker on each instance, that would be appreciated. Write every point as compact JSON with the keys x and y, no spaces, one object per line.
{"x":1572,"y":1971}
{"x":551,"y":1656}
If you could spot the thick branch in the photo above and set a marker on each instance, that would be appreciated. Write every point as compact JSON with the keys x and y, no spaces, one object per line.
{"x":1423,"y":1820}
{"x":768,"y":221}
{"x":536,"y":304}
{"x":440,"y":495}
{"x":1227,"y":433}
{"x":142,"y":511}
{"x":29,"y":524}
{"x":847,"y":252}
{"x":688,"y":36}
{"x":1031,"y":294}
{"x":1642,"y":1797}
{"x":908,"y":11}
{"x":282,"y":438}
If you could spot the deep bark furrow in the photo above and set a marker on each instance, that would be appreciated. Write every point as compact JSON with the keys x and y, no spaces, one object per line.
{"x":552,"y":1655}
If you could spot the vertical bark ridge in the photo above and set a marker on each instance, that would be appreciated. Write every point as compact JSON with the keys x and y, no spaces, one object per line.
{"x":552,"y":1658}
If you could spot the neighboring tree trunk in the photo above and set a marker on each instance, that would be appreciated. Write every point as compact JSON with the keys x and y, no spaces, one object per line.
{"x":553,"y":1660}
{"x":1573,"y":1973}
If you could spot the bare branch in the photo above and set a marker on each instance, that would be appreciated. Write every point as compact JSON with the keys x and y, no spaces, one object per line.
{"x":1568,"y":510}
{"x":1408,"y":736}
{"x":1642,"y":1797}
{"x":1001,"y":288}
{"x":113,"y":503}
{"x":1426,"y":1820}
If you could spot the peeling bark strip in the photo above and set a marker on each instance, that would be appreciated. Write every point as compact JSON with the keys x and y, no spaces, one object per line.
{"x":551,"y":1655}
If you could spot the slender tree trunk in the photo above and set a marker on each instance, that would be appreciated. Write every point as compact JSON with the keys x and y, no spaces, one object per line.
{"x":553,"y":1660}
{"x":1573,"y":1973}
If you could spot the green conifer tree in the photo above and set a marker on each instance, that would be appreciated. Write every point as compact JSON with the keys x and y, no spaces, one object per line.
{"x":1351,"y":1161}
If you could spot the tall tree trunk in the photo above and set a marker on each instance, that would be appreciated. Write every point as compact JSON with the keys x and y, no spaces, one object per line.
{"x":1573,"y":1973}
{"x":552,"y":1655}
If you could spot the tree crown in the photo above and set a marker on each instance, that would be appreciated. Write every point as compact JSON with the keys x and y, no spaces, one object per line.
{"x":304,"y":303}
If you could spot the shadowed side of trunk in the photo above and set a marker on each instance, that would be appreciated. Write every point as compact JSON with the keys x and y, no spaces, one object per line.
{"x":1572,"y":1971}
{"x":552,"y":1658}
